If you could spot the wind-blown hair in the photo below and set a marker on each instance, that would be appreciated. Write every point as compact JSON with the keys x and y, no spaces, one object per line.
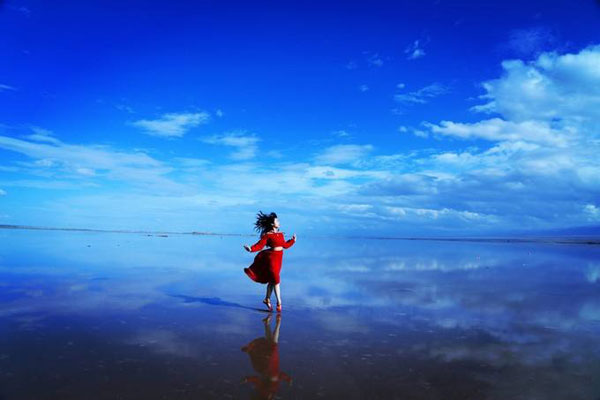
{"x":264,"y":222}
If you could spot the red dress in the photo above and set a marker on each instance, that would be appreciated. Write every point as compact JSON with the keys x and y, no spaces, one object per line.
{"x":264,"y":356}
{"x":267,"y":263}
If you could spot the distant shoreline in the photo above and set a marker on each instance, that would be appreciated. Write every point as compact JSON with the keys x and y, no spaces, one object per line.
{"x":46,"y":228}
{"x":538,"y":239}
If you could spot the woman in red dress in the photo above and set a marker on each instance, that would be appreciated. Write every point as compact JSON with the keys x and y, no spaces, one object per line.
{"x":267,"y":263}
{"x":264,"y":356}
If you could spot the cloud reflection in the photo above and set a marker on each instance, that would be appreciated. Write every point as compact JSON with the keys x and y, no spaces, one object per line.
{"x":397,"y":312}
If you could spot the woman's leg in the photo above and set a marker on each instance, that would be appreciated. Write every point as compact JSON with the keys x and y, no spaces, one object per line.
{"x":277,"y":326}
{"x":269,"y":291}
{"x":277,"y":293}
{"x":268,"y":334}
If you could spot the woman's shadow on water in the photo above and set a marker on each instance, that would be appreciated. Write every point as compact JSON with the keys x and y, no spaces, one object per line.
{"x":215,"y":301}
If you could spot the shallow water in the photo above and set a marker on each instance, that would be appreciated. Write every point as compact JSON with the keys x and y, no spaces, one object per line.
{"x":128,"y":316}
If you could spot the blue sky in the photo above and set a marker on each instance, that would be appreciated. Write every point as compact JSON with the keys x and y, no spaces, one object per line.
{"x":379,"y":117}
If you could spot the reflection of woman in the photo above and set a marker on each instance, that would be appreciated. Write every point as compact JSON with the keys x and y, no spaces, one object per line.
{"x":267,"y":263}
{"x":264,"y":356}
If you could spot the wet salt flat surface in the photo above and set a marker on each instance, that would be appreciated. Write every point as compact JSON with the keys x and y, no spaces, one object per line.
{"x":129,"y":316}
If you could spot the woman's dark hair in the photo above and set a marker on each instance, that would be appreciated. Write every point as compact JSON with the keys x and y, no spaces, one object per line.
{"x":264,"y":222}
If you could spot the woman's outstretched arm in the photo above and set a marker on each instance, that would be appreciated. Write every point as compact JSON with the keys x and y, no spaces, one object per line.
{"x":258,"y":245}
{"x":290,"y":242}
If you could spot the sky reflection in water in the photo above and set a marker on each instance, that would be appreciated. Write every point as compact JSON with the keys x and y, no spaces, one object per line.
{"x":99,"y":316}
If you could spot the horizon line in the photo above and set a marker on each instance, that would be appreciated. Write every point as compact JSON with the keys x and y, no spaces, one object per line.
{"x":564,"y":239}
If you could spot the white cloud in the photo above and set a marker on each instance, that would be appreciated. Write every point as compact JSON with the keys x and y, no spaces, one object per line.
{"x":22,"y":9}
{"x":402,"y":185}
{"x":464,"y":158}
{"x":417,"y":53}
{"x":341,"y":133}
{"x":124,"y":107}
{"x":552,"y":87}
{"x":592,"y":212}
{"x":45,"y":184}
{"x":245,"y":144}
{"x":550,"y":112}
{"x":355,"y":208}
{"x":422,"y":95}
{"x":101,"y":156}
{"x":363,"y":88}
{"x":425,"y":213}
{"x":518,"y":169}
{"x":85,"y":171}
{"x":275,"y":154}
{"x":420,"y":133}
{"x":590,"y":311}
{"x":4,"y":88}
{"x":200,"y":184}
{"x":593,"y":273}
{"x":2,"y":192}
{"x":343,"y":154}
{"x":414,"y":51}
{"x":540,"y":166}
{"x":530,"y":41}
{"x":374,"y":60}
{"x":60,"y":160}
{"x":42,"y":135}
{"x":369,"y":59}
{"x":334,"y":173}
{"x":172,"y":124}
{"x":497,"y":129}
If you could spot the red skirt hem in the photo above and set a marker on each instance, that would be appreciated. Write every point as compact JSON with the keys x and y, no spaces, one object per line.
{"x":266,"y":267}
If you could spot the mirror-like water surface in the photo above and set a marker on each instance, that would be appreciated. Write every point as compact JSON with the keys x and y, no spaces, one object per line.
{"x":128,"y":316}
